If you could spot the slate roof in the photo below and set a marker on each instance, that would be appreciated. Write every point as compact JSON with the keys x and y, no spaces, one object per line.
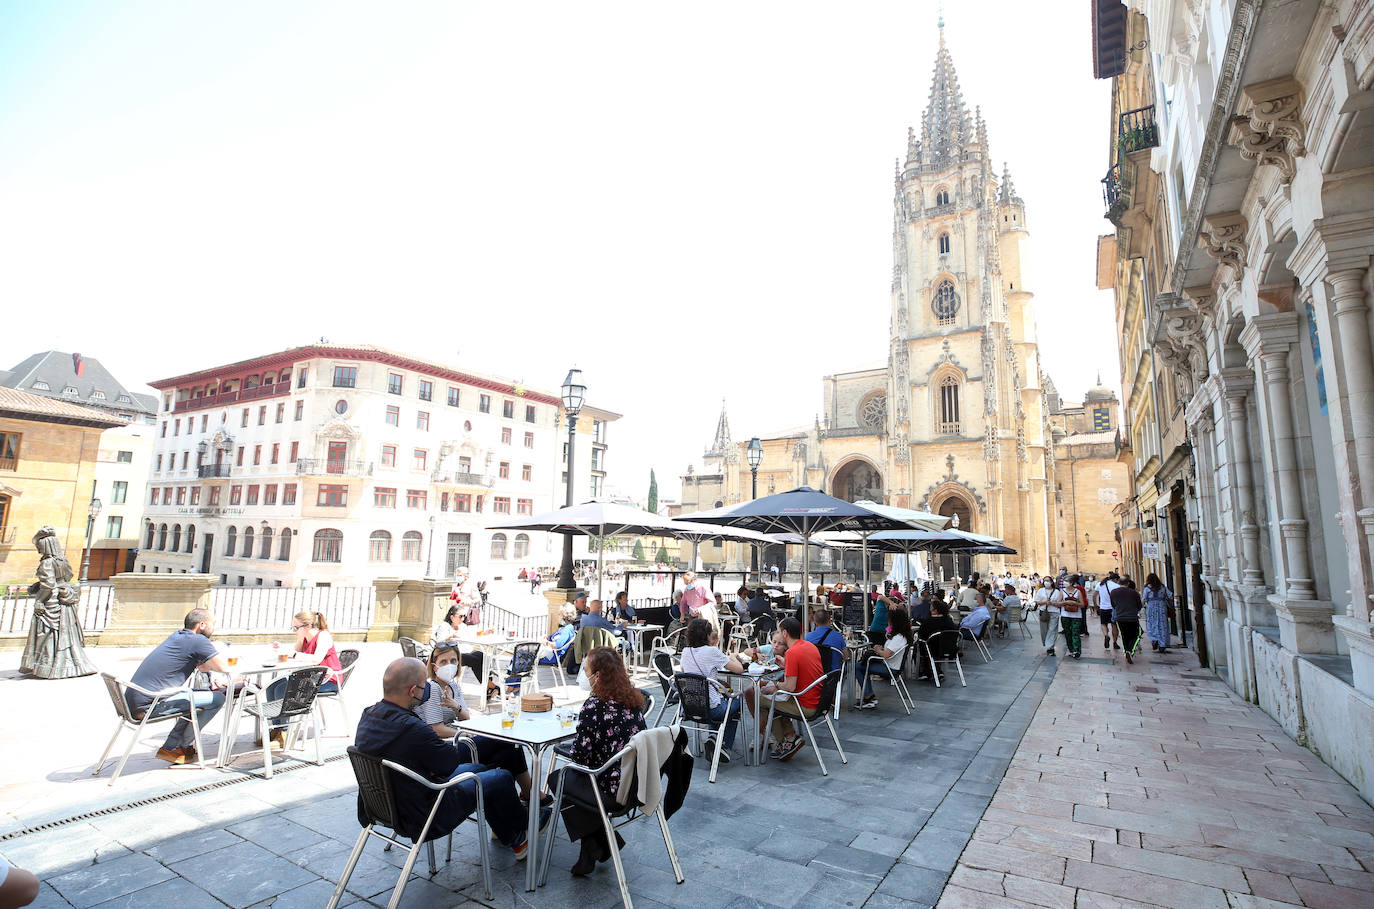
{"x":57,"y":370}
{"x":21,"y":405}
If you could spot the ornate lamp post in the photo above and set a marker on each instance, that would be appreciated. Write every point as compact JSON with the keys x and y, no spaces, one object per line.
{"x":92,"y":512}
{"x":574,"y":393}
{"x":429,"y":559}
{"x":755,"y":455}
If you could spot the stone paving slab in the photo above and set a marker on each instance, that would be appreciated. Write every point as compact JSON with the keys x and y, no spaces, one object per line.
{"x":1153,"y":785}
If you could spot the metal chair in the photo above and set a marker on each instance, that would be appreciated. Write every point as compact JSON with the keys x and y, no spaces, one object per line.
{"x":664,"y":669}
{"x":672,"y":642}
{"x":610,"y":814}
{"x":523,"y":664}
{"x":413,"y":648}
{"x":980,"y":640}
{"x":348,"y":658}
{"x":129,"y":719}
{"x":829,"y":685}
{"x":1026,"y":613}
{"x":297,"y":706}
{"x":694,"y":709}
{"x":897,"y":678}
{"x":946,"y":643}
{"x":377,"y":796}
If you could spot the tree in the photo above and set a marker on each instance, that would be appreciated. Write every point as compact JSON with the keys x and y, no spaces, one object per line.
{"x":653,"y":492}
{"x":639,"y":551}
{"x":662,"y":555}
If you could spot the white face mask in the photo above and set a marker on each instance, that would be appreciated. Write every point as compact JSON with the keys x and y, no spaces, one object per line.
{"x":446,"y":673}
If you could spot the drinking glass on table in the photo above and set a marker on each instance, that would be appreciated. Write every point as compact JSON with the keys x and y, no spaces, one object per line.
{"x":512,"y":713}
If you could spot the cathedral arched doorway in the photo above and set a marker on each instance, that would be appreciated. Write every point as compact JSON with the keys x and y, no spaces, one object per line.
{"x":857,"y":479}
{"x":951,"y":565}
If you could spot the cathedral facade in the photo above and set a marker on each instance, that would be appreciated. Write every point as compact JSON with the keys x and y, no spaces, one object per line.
{"x":958,"y":422}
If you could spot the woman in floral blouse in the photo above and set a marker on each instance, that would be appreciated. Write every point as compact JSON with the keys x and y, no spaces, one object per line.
{"x":610,"y":717}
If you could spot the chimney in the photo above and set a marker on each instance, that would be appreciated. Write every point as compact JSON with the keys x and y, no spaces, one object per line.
{"x":78,"y":364}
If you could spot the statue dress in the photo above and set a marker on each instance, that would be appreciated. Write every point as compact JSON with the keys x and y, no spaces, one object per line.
{"x":56,"y":645}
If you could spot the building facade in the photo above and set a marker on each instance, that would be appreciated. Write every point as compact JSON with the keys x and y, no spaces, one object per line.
{"x":1090,"y":480}
{"x":121,"y":472}
{"x":48,"y":451}
{"x":328,"y":465}
{"x":1242,"y":189}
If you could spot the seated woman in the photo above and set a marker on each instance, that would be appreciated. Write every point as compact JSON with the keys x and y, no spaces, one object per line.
{"x":559,"y":642}
{"x":446,"y":632}
{"x":891,"y":652}
{"x":621,"y":610}
{"x":742,"y":597}
{"x":703,"y":656}
{"x":443,"y":706}
{"x":609,"y":718}
{"x":314,"y":644}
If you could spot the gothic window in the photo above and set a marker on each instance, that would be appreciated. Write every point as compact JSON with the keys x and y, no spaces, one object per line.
{"x":946,"y":303}
{"x":949,"y":406}
{"x":944,"y":244}
{"x":873,"y":411}
{"x":941,"y":197}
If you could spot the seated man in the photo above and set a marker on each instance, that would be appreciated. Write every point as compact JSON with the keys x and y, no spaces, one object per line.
{"x":939,"y":621}
{"x":801,"y":667}
{"x":170,"y":665}
{"x":594,"y":619}
{"x":973,"y":623}
{"x":390,"y":729}
{"x":823,"y":632}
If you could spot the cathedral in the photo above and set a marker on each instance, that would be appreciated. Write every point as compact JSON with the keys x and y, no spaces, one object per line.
{"x":960,"y":421}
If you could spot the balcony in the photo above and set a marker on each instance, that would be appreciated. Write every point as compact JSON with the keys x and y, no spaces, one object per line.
{"x":462,"y":478}
{"x":233,"y":397}
{"x":10,"y":464}
{"x":947,"y":428}
{"x":322,"y":467}
{"x":1136,"y":131}
{"x":213,"y":471}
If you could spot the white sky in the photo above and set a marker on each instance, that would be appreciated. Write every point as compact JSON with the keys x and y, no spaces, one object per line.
{"x":690,"y":201}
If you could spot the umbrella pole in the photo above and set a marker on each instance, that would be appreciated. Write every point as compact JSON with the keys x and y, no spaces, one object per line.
{"x":600,"y":555}
{"x":805,"y":610}
{"x":868,"y":620}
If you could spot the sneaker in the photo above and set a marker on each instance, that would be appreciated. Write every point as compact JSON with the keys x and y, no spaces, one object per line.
{"x":797,"y":745}
{"x":1128,"y":657}
{"x":1115,"y":645}
{"x":172,"y":755}
{"x":545,"y":817}
{"x":521,"y":849}
{"x":1076,"y":656}
{"x":869,"y":704}
{"x":1049,"y":651}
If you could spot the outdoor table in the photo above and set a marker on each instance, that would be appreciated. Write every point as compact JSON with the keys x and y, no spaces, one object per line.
{"x":636,"y":631}
{"x":751,"y":727}
{"x":253,"y":666}
{"x":537,"y":733}
{"x":488,"y":644}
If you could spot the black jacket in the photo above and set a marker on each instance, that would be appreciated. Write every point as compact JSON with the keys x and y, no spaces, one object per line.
{"x":678,"y":767}
{"x":388,"y":731}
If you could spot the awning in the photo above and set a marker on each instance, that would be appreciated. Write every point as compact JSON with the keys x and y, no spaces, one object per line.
{"x":1109,"y":38}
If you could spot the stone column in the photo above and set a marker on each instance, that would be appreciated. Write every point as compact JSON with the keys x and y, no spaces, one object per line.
{"x":386,"y":611}
{"x":148,"y":607}
{"x":423,"y":604}
{"x":1236,"y":387}
{"x":1351,"y":351}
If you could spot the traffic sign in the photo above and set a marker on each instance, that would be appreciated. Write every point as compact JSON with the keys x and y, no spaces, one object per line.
{"x":1113,"y":553}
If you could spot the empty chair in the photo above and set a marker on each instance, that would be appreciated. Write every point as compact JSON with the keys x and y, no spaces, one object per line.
{"x":377,"y":798}
{"x":347,"y":659}
{"x":663,"y":669}
{"x":297,"y":706}
{"x":523,"y":664}
{"x":943,"y":647}
{"x":128,"y":719}
{"x":413,"y":648}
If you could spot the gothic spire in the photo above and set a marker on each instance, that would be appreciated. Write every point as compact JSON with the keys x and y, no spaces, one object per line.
{"x":722,"y":444}
{"x":1007,"y":193}
{"x":945,"y":126}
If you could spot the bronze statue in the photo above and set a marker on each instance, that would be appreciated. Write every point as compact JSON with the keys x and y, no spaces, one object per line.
{"x":56,"y":646}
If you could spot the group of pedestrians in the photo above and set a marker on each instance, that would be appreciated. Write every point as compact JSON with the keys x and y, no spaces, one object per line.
{"x":1119,"y":606}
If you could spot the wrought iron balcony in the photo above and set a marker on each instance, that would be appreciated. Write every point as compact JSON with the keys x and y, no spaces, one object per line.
{"x":1137,"y":130}
{"x":462,"y":478}
{"x":213,"y":471}
{"x":312,"y":467}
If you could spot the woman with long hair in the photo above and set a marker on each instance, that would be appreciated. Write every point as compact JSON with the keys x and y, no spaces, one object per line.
{"x":703,"y":656}
{"x":609,"y":718}
{"x":442,"y":706}
{"x":1158,"y":600}
{"x":898,"y":640}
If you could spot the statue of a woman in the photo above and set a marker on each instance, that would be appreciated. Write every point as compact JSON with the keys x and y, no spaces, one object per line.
{"x":56,"y":645}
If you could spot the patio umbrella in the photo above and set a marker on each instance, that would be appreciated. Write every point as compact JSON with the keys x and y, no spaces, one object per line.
{"x":940,"y":541}
{"x":802,"y":510}
{"x":919,"y":520}
{"x":690,"y":530}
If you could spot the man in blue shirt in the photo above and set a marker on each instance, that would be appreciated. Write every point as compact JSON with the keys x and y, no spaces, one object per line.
{"x":594,"y":619}
{"x":169,"y":666}
{"x":389,"y":729}
{"x":825,"y":633}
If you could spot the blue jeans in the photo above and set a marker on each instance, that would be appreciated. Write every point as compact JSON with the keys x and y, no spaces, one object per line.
{"x":207,"y":704}
{"x":505,"y":813}
{"x":867,"y":670}
{"x":277,"y":690}
{"x":719,"y":712}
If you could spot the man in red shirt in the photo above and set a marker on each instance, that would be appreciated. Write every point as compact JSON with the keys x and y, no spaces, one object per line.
{"x":802,"y":666}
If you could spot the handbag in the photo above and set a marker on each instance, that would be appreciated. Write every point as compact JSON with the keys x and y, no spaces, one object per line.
{"x":473,"y":617}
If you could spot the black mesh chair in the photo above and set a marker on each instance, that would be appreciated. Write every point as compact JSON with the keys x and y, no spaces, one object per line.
{"x":136,"y":720}
{"x":413,"y":648}
{"x":613,"y":815}
{"x":347,"y":659}
{"x":943,"y":647}
{"x":523,"y":664}
{"x":297,"y":706}
{"x":694,"y":709}
{"x":377,"y":796}
{"x":664,"y":669}
{"x":829,"y":685}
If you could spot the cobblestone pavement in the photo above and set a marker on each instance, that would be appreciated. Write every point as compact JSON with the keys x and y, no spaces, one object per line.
{"x":1155,"y":785}
{"x":1102,"y":795}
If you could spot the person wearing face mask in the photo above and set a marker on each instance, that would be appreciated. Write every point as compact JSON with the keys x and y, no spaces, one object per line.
{"x":1048,"y":611}
{"x":442,"y":706}
{"x":390,"y":729}
{"x":169,"y":666}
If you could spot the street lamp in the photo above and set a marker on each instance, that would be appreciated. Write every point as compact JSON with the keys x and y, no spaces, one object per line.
{"x":755,"y":455}
{"x":92,"y":512}
{"x":429,"y":559}
{"x":574,"y":393}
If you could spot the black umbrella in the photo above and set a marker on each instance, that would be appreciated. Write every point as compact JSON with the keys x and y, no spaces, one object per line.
{"x":803,"y":511}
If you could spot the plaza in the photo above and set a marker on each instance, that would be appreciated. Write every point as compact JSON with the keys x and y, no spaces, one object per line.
{"x":1041,"y":783}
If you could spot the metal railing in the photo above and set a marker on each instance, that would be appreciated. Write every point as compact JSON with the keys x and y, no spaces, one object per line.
{"x":947,"y":428}
{"x":327,"y":467}
{"x":1137,"y":130}
{"x":269,"y":609}
{"x":9,"y":464}
{"x":216,"y":471}
{"x":1112,"y":189}
{"x":210,"y":400}
{"x":94,"y":608}
{"x":462,"y":478}
{"x":529,"y":620}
